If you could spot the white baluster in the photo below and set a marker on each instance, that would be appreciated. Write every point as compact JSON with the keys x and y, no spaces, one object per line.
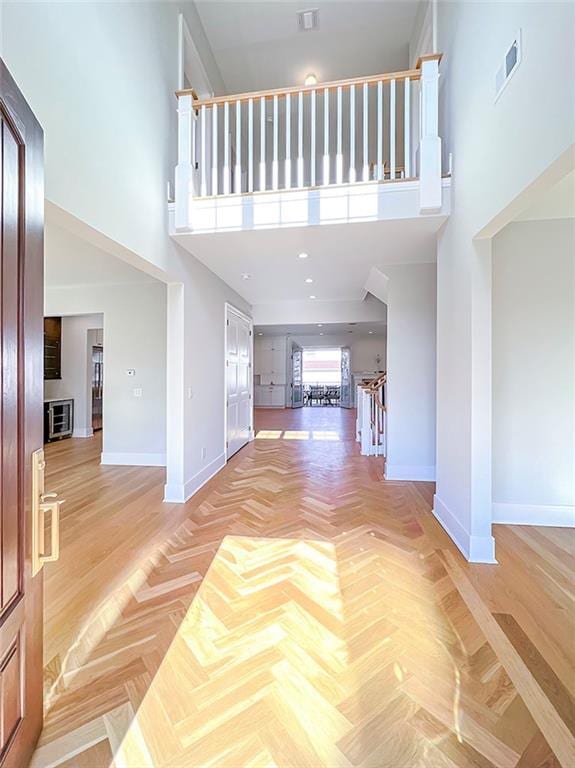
{"x":204,"y":159}
{"x":352,"y":134}
{"x":287,"y":180}
{"x":275,"y":174}
{"x":214,"y":149}
{"x":226,"y":148}
{"x":339,"y":155}
{"x":312,"y":147}
{"x":326,"y":135}
{"x":380,"y":130}
{"x":407,"y":130}
{"x":251,"y":145}
{"x":300,"y":140}
{"x":392,"y":130}
{"x":365,"y":132}
{"x":262,"y":143}
{"x":238,"y":170}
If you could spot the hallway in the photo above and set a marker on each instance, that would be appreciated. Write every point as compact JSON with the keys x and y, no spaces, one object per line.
{"x":306,"y":613}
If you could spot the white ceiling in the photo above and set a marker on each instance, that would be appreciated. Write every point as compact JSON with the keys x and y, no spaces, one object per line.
{"x":340,"y":257}
{"x":257,"y":45}
{"x":555,"y":203}
{"x":70,"y":260}
{"x":353,"y":330}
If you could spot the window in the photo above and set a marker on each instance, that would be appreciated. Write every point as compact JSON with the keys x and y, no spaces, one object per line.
{"x":322,"y":366}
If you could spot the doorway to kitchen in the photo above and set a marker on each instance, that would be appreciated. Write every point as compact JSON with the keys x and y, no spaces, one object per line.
{"x":325,"y":376}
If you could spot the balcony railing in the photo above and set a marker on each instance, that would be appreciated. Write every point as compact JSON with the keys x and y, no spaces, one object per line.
{"x":381,"y":128}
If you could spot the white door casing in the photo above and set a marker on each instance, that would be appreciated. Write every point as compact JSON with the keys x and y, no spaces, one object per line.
{"x":238,"y":380}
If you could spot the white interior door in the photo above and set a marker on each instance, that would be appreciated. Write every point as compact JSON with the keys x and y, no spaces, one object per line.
{"x":346,"y":379}
{"x":238,"y":384}
{"x":296,"y":376}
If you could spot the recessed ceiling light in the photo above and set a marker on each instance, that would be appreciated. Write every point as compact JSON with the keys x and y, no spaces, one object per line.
{"x":312,"y":296}
{"x":260,"y":333}
{"x":321,"y":334}
{"x":370,"y":331}
{"x":319,"y":325}
{"x":302,"y":255}
{"x":310,"y":79}
{"x":245,"y":276}
{"x":309,"y":280}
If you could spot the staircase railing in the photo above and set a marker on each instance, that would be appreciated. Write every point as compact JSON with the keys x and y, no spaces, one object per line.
{"x":380,"y":128}
{"x":370,"y":424}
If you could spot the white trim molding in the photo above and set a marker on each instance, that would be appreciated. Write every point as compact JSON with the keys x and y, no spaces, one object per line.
{"x":134,"y":459}
{"x":179,"y":494}
{"x":406,"y":472}
{"x":83,"y":432}
{"x":562,"y":516}
{"x":476,"y":549}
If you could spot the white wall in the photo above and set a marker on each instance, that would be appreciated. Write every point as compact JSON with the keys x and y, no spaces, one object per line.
{"x":303,"y":312}
{"x":411,"y":372}
{"x":534,"y":372}
{"x":76,"y":369}
{"x":134,"y":318}
{"x":196,"y":374}
{"x":101,"y":79}
{"x":499,"y":150}
{"x":363,"y":349}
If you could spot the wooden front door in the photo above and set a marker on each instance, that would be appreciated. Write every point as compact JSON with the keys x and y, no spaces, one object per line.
{"x":21,"y":332}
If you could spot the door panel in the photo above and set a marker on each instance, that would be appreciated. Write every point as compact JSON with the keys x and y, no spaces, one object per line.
{"x":346,"y":378}
{"x":297,"y":377}
{"x":21,"y":342}
{"x":238,"y":382}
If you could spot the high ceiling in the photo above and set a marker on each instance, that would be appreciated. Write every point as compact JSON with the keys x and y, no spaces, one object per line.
{"x":340,"y":257}
{"x":258,"y":45}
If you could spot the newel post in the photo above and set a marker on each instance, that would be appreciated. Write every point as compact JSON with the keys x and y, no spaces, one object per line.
{"x":430,"y":142}
{"x":185,"y":167}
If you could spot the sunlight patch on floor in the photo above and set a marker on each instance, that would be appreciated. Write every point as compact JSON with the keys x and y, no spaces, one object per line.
{"x":298,"y":434}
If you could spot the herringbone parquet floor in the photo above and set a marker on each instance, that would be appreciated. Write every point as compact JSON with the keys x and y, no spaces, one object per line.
{"x":305,"y":613}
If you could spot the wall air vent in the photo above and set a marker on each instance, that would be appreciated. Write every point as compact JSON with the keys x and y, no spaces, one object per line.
{"x":308,"y":20}
{"x":511,"y":62}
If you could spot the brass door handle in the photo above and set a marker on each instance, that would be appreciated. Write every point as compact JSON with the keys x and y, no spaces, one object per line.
{"x":42,"y":504}
{"x":52,"y":507}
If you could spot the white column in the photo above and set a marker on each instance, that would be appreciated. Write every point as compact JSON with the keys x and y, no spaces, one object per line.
{"x":430,"y":145}
{"x":184,"y":177}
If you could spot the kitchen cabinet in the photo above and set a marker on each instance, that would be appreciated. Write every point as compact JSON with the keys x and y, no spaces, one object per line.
{"x":269,"y":396}
{"x":52,"y":348}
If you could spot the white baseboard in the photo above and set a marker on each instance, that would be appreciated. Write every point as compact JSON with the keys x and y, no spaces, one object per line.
{"x":179,"y":494}
{"x":534,"y":514}
{"x":83,"y":432}
{"x":476,"y":549}
{"x":134,"y":459}
{"x":405,"y":472}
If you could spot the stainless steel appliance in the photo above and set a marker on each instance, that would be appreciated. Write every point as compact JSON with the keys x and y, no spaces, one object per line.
{"x":58,"y":419}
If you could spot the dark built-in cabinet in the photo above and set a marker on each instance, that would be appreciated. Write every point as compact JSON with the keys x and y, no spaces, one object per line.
{"x":52,"y":348}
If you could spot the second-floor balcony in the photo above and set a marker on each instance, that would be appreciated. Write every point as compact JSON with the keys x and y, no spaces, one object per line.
{"x":351,"y":150}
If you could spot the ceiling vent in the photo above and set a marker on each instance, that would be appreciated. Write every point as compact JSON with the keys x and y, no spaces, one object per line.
{"x":308,"y":20}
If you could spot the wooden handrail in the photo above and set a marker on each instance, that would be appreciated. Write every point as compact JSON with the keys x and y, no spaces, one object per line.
{"x":412,"y":74}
